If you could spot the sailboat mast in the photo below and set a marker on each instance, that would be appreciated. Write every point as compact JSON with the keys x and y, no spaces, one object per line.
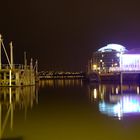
{"x":11,"y":54}
{"x":25,"y":60}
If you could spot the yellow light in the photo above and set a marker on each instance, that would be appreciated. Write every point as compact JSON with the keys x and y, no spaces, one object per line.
{"x":94,"y":66}
{"x":95,"y":93}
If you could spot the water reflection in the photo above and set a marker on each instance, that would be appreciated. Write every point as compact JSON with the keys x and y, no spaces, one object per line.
{"x":61,"y":83}
{"x":12,"y":98}
{"x":116,"y":100}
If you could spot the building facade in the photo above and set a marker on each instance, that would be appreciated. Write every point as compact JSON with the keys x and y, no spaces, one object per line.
{"x":106,"y":58}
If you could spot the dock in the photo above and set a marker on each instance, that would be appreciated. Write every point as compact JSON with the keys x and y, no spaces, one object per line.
{"x":61,"y":75}
{"x":16,"y":74}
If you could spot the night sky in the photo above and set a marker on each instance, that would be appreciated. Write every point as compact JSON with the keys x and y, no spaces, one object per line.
{"x":62,"y":34}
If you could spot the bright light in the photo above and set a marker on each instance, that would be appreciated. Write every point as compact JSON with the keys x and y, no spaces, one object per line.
{"x":117,"y":90}
{"x":118,"y":54}
{"x":138,"y":90}
{"x":94,"y":67}
{"x":115,"y":47}
{"x":130,"y":62}
{"x":95,"y":93}
{"x":125,"y":104}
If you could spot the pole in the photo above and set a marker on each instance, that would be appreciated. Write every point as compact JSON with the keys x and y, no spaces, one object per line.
{"x":36,"y":64}
{"x":11,"y":54}
{"x":31,"y":63}
{"x":25,"y":60}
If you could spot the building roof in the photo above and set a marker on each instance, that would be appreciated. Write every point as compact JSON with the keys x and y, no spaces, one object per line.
{"x":112,"y":47}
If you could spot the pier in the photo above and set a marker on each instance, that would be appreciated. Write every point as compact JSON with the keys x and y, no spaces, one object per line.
{"x":61,"y":75}
{"x":16,"y":74}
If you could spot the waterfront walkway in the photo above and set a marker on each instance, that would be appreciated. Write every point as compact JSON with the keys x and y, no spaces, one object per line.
{"x":61,"y":75}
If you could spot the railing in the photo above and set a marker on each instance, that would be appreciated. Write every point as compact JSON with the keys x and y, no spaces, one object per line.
{"x":14,"y":66}
{"x":124,"y":69}
{"x":61,"y":75}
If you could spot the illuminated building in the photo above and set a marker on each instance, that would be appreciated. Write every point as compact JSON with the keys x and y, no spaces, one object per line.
{"x":106,"y":57}
{"x":130,"y":61}
{"x":114,"y":63}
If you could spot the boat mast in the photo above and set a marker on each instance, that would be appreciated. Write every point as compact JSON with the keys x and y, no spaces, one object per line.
{"x":11,"y":54}
{"x":31,"y":64}
{"x":6,"y":53}
{"x":36,"y":64}
{"x":25,"y":60}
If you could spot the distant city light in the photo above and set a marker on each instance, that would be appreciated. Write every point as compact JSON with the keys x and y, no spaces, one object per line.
{"x":110,"y":47}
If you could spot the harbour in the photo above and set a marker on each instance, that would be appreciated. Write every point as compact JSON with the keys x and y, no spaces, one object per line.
{"x":70,"y":70}
{"x":73,"y":105}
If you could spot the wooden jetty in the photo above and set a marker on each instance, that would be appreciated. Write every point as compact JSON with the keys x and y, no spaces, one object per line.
{"x":16,"y":74}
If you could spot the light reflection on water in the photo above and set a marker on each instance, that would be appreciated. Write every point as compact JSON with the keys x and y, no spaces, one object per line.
{"x":61,"y":83}
{"x":116,"y":100}
{"x":70,"y":110}
{"x":11,"y":99}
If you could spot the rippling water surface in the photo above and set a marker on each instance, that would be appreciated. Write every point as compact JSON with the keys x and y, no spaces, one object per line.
{"x":70,"y":110}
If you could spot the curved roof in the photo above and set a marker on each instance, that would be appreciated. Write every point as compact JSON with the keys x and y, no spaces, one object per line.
{"x":113,"y":47}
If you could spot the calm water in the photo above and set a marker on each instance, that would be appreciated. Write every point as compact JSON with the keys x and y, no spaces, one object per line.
{"x":70,"y":110}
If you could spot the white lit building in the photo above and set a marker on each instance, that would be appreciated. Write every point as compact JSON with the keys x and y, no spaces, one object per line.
{"x":107,"y":57}
{"x":130,"y":61}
